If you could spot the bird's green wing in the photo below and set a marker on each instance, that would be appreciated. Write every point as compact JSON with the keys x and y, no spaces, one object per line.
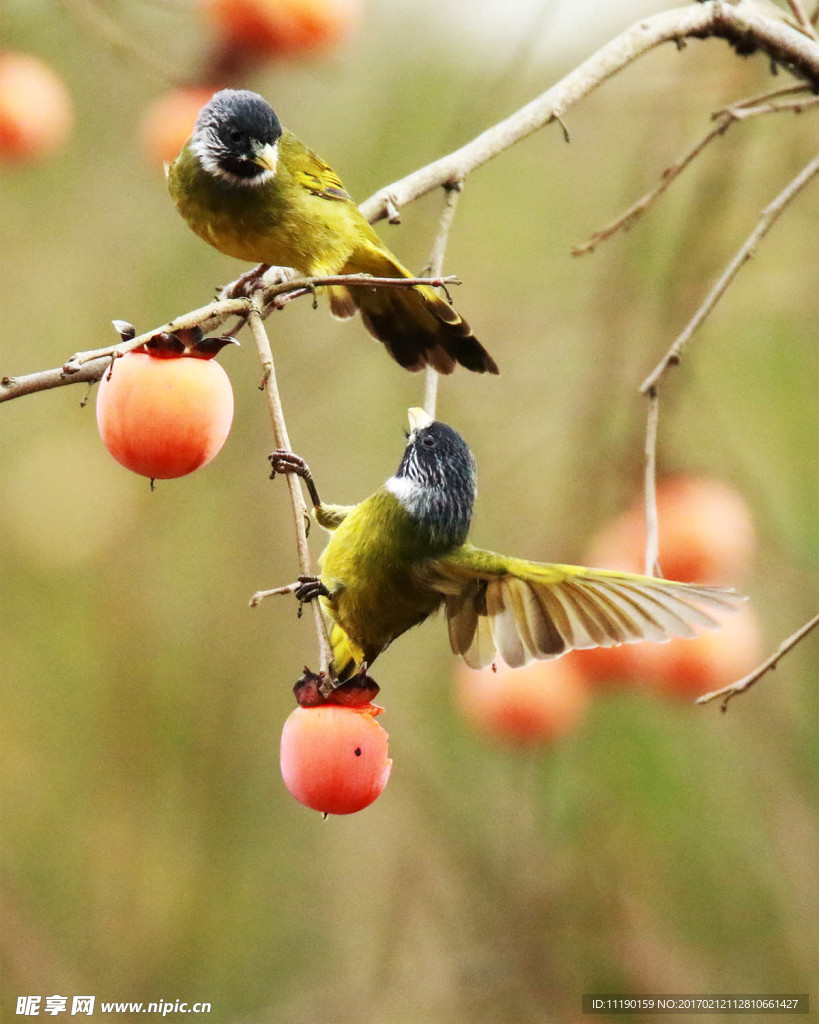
{"x":318,"y":177}
{"x":526,"y":610}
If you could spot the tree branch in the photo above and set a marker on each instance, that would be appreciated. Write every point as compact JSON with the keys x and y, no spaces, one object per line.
{"x":742,"y":24}
{"x":452,"y":194}
{"x":274,"y":404}
{"x":726,"y":117}
{"x":651,"y":385}
{"x":90,"y":365}
{"x":652,"y":563}
{"x":741,"y":685}
{"x":770,"y":215}
{"x":801,"y":16}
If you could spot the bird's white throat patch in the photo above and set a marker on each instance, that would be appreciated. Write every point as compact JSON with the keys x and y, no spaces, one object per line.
{"x":408,"y":491}
{"x":207,"y":149}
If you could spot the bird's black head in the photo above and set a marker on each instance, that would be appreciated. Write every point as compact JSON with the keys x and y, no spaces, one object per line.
{"x":436,"y":481}
{"x":236,"y":137}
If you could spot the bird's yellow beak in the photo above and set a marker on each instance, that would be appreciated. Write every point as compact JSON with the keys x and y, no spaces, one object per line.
{"x":267,"y":157}
{"x":418,"y":419}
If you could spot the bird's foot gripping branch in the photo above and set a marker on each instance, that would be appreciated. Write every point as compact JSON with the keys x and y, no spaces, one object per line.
{"x":283,"y":462}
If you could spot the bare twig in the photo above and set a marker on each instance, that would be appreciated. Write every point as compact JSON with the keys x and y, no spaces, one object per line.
{"x":770,"y":215}
{"x":627,"y":218}
{"x":209,"y":318}
{"x":260,"y":595}
{"x":724,"y":117}
{"x":435,"y":269}
{"x":45,"y":380}
{"x":650,"y":386}
{"x":763,"y":97}
{"x":794,"y":106}
{"x":802,"y":18}
{"x":738,"y":23}
{"x":271,"y":390}
{"x":741,"y":685}
{"x":652,"y":521}
{"x":214,"y":313}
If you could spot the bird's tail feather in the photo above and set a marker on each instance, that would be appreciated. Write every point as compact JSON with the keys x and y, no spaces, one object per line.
{"x":416,"y":325}
{"x":347,"y":657}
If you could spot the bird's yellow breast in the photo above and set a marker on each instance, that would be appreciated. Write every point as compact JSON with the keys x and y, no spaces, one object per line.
{"x":372,"y":567}
{"x":279,"y":222}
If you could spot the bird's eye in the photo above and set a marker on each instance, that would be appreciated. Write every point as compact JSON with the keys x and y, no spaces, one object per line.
{"x":235,"y":135}
{"x":428,"y":441}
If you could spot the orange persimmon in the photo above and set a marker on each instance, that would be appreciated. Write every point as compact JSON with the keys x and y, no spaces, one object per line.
{"x":36,"y":112}
{"x":706,"y":533}
{"x":164,"y":416}
{"x":531,"y":705}
{"x":168,"y":122}
{"x":334,"y":757}
{"x":282,"y":27}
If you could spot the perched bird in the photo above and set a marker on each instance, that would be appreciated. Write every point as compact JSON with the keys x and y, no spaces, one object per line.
{"x":403,"y":553}
{"x":254,"y":191}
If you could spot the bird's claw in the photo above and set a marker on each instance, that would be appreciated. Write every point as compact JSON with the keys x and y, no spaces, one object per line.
{"x":309,"y":588}
{"x":283,"y":461}
{"x":246,"y":283}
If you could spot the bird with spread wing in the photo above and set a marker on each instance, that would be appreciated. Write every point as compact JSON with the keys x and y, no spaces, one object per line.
{"x":402,"y":554}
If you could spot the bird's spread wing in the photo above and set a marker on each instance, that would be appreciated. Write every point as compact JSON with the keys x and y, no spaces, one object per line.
{"x":526,"y":610}
{"x":320,"y":179}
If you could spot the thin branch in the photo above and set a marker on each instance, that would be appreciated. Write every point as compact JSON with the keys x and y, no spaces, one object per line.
{"x":90,"y":365}
{"x":452,"y":194}
{"x":770,"y":215}
{"x":431,"y":381}
{"x":215,"y":313}
{"x":45,"y":380}
{"x":802,"y":18}
{"x":741,"y":685}
{"x":652,"y":520}
{"x":261,"y":595}
{"x":628,"y":217}
{"x":725,"y":117}
{"x":794,"y":106}
{"x":271,"y":390}
{"x":738,"y":23}
{"x":764,"y":97}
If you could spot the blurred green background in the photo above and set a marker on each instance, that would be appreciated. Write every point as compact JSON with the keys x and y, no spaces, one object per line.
{"x":149,"y":848}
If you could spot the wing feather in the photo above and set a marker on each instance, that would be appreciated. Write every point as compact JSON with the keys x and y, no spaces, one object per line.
{"x":524,"y":610}
{"x":314,"y":175}
{"x":504,"y":625}
{"x":542,"y":632}
{"x":462,"y":618}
